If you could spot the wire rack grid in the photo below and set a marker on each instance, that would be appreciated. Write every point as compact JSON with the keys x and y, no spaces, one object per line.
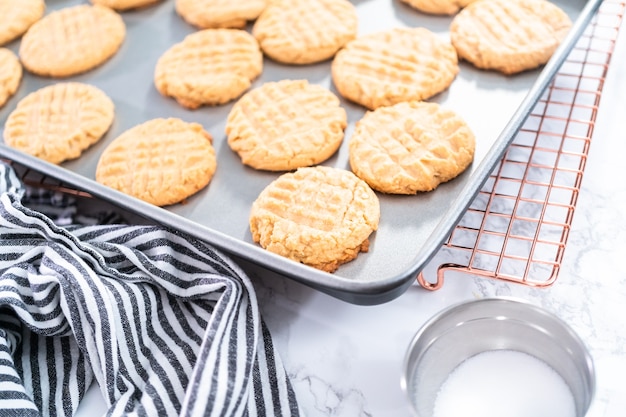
{"x":517,"y":227}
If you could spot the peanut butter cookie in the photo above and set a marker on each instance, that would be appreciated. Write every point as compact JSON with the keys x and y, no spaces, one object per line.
{"x":509,"y":36}
{"x":122,"y":5}
{"x":209,"y":67}
{"x":438,"y":7}
{"x":60,"y":121}
{"x":319,"y":216}
{"x":285,"y":125}
{"x":71,"y":41}
{"x":161,"y":161}
{"x":10,"y":74}
{"x":410,"y":147}
{"x":16,"y":16}
{"x":392,"y":66}
{"x":305,"y":31}
{"x":207,"y":14}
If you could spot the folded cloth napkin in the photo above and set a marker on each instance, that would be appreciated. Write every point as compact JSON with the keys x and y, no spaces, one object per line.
{"x":166,"y":324}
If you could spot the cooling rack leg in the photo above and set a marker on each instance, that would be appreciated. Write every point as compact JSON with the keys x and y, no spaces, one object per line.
{"x":433,"y":286}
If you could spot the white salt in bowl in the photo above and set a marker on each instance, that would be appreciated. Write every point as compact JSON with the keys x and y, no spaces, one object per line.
{"x":500,"y":357}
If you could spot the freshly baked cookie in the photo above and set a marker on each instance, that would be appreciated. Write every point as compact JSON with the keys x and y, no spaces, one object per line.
{"x":410,"y":147}
{"x":209,"y":67}
{"x":72,"y":40}
{"x":124,"y":4}
{"x":16,"y":16}
{"x":60,"y":121}
{"x":439,"y":7}
{"x":10,"y":74}
{"x":509,"y":36}
{"x":285,"y":125}
{"x":161,"y":161}
{"x":389,"y":67}
{"x":319,"y":216}
{"x":305,"y":31}
{"x":207,"y":14}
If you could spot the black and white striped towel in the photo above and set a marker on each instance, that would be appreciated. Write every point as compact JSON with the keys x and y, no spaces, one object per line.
{"x":165,"y":324}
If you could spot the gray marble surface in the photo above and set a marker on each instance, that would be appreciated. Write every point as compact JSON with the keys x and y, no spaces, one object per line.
{"x":347,"y":360}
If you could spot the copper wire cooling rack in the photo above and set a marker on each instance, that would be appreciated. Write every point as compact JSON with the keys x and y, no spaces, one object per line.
{"x":517,"y":227}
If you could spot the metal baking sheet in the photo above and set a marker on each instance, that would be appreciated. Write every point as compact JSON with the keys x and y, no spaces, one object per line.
{"x":412,"y":228}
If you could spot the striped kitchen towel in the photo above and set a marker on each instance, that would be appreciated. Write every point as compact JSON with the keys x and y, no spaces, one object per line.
{"x":164,"y":323}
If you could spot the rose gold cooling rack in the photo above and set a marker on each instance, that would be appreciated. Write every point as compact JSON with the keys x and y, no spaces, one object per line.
{"x":517,"y":227}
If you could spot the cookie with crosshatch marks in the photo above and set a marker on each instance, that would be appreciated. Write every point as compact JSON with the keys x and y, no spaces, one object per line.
{"x":58,"y":122}
{"x":122,"y":5}
{"x":509,"y":36}
{"x":10,"y":74}
{"x":410,"y":147}
{"x":438,"y":7}
{"x":392,"y":66}
{"x":72,"y":40}
{"x":209,"y":67}
{"x":161,"y":161}
{"x":207,"y":14}
{"x":305,"y":31}
{"x":16,"y":16}
{"x":319,"y":216}
{"x":285,"y":125}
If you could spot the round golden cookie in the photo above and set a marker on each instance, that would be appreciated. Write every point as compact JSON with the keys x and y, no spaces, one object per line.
{"x":124,"y":4}
{"x":10,"y":74}
{"x":509,"y":36}
{"x":161,"y":161}
{"x":389,"y":67}
{"x":209,"y":67}
{"x":58,"y":122}
{"x":305,"y":31}
{"x":438,"y":7}
{"x":71,"y":41}
{"x":16,"y":16}
{"x":207,"y":14}
{"x":285,"y":125}
{"x":410,"y":147}
{"x":319,"y":216}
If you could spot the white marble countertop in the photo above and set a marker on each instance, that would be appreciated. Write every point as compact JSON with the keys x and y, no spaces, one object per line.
{"x":347,"y":360}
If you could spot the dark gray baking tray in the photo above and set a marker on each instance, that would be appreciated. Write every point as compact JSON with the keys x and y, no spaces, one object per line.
{"x":412,"y":228}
